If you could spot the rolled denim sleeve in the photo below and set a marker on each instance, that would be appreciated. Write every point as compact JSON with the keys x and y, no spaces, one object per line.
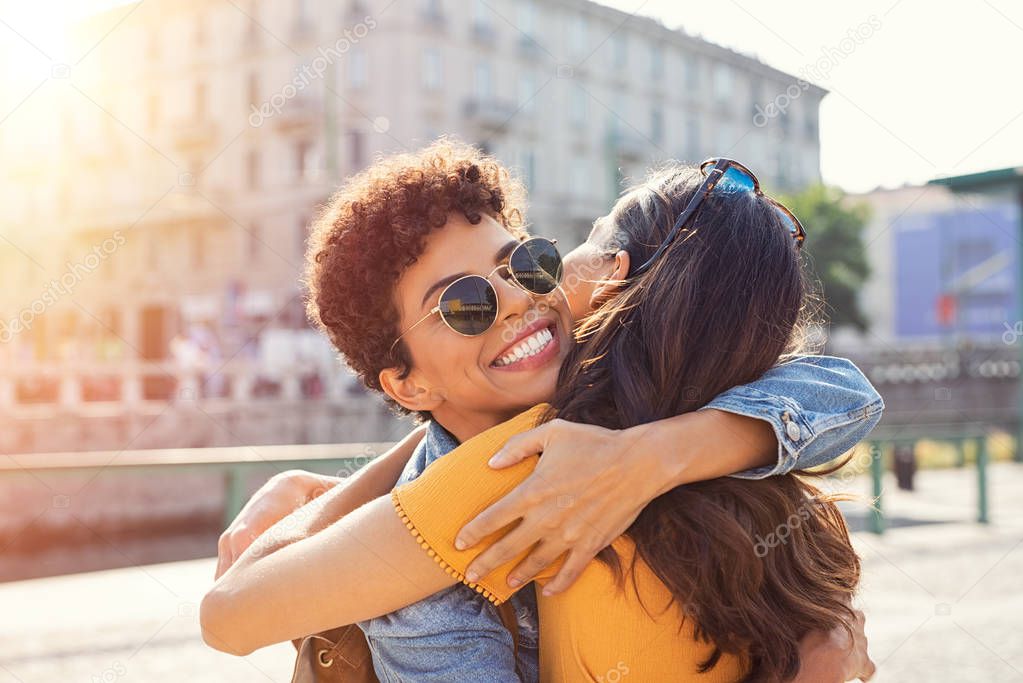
{"x":818,"y":406}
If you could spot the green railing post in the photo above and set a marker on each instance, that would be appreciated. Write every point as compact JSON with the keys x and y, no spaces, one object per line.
{"x":982,"y":502}
{"x":234,"y":494}
{"x":876,"y":475}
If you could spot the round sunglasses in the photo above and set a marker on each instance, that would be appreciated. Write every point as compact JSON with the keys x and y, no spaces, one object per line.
{"x":724,"y":175}
{"x":468,"y":305}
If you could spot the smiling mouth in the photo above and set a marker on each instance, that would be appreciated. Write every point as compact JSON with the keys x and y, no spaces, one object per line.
{"x":528,"y":347}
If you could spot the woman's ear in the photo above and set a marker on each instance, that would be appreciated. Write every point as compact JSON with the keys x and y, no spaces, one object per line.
{"x":409,"y":391}
{"x":608,"y":287}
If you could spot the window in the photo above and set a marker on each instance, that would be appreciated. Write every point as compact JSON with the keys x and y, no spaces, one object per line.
{"x":252,"y":175}
{"x":255,"y":241}
{"x":619,"y":50}
{"x":527,"y":18}
{"x":252,"y":89}
{"x":577,"y":42}
{"x":432,"y":10}
{"x":657,"y":125}
{"x":785,"y":122}
{"x":357,"y":68}
{"x":692,"y":69}
{"x":305,"y":161}
{"x":251,"y":19}
{"x":357,"y":155}
{"x":433,"y":69}
{"x":200,"y":101}
{"x":693,"y":146}
{"x":723,"y":83}
{"x":483,"y":80}
{"x":582,"y":177}
{"x":198,"y":248}
{"x":527,"y":91}
{"x":301,"y":15}
{"x":579,"y":105}
{"x":200,"y":30}
{"x":810,"y":125}
{"x":481,"y":18}
{"x":527,"y":164}
{"x":656,"y":62}
{"x":723,"y":140}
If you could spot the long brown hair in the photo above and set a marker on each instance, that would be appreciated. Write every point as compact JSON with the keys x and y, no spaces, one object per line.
{"x":719,"y":308}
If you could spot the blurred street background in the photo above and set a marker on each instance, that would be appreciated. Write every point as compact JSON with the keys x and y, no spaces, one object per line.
{"x":162,"y":161}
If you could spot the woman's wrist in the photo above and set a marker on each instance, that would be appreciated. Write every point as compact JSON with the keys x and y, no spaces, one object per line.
{"x":700,"y":445}
{"x":661,"y":452}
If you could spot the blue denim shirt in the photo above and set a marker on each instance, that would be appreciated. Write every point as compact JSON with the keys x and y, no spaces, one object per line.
{"x":818,"y":406}
{"x":455,"y":635}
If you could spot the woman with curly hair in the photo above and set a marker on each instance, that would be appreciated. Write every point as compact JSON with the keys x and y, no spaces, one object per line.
{"x":423,"y":316}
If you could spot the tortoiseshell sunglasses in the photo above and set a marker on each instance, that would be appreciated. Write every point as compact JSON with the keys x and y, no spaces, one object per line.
{"x":724,"y":175}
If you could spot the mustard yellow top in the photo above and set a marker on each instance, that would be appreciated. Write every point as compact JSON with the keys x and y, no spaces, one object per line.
{"x":594,"y":631}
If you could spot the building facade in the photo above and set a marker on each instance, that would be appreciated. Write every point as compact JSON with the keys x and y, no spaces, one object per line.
{"x":166,"y":176}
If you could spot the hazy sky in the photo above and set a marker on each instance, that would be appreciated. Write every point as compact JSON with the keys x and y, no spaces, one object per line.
{"x":935,"y":89}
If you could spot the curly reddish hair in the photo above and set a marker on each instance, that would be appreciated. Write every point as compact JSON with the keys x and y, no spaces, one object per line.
{"x":376,"y":226}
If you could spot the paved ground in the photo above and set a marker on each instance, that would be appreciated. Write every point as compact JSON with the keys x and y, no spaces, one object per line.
{"x":943,"y":598}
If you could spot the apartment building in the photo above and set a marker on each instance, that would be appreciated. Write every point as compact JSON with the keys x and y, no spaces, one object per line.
{"x":185,"y":149}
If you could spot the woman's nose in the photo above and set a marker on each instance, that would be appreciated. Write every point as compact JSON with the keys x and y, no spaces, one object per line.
{"x":512,"y":299}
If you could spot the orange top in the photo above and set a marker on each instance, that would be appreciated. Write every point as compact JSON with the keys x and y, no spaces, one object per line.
{"x":594,"y":631}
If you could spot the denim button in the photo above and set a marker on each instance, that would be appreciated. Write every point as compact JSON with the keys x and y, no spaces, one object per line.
{"x":792,"y":429}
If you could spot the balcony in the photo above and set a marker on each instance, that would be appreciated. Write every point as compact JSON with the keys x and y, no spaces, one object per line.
{"x":627,"y":144}
{"x":529,"y":48}
{"x":432,"y":17}
{"x":195,"y":136}
{"x":489,"y":112}
{"x":300,"y":113}
{"x":484,"y":33}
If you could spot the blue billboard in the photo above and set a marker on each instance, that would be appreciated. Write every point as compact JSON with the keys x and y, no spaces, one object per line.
{"x":956,"y":271}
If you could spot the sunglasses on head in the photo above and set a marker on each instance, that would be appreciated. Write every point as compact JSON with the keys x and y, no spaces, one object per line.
{"x":724,"y":175}
{"x":469,"y":304}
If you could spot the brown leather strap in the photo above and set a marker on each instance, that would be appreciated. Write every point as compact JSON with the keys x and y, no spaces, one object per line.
{"x":511,"y":622}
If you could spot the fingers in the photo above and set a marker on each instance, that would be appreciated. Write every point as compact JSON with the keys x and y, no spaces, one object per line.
{"x":496,"y":517}
{"x":231,"y":545}
{"x":542,"y":556}
{"x":224,"y":559}
{"x":505,"y":550}
{"x":569,"y":572}
{"x":522,"y":446}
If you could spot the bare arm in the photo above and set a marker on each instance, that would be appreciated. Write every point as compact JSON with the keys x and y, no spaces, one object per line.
{"x":288,"y":491}
{"x":362,"y":566}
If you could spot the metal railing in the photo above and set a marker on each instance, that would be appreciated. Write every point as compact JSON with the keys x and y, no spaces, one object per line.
{"x":957,"y":435}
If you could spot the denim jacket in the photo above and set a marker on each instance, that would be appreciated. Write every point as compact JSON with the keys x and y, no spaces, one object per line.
{"x":818,"y":406}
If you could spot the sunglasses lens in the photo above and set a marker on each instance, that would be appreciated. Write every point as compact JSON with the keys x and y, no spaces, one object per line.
{"x":469,"y":305}
{"x":736,"y":180}
{"x":790,"y":223}
{"x":536,"y":265}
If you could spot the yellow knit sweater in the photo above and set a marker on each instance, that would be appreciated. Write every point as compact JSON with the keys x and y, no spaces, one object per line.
{"x":594,"y":631}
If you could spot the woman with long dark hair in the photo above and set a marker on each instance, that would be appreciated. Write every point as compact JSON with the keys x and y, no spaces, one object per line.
{"x":712,"y":296}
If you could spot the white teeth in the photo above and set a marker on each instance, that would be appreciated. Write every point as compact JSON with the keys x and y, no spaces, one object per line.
{"x":526,"y":348}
